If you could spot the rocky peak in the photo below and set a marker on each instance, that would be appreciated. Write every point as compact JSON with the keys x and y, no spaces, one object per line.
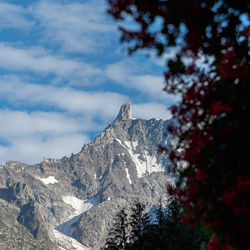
{"x":69,"y":202}
{"x":125,"y":112}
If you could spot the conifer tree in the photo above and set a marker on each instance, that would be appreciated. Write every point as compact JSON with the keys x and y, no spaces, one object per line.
{"x":160,"y":217}
{"x":160,"y":227}
{"x":138,"y":221}
{"x":172,"y":224}
{"x":118,"y":238}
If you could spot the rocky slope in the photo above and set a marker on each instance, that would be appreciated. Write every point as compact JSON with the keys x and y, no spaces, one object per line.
{"x":70,"y":203}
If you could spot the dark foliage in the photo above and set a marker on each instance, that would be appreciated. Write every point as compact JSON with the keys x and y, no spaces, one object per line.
{"x":118,"y":236}
{"x":138,"y":221}
{"x":213,"y":132}
{"x":167,"y":233}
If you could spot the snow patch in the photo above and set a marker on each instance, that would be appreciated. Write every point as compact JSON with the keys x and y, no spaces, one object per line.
{"x":128,"y":176}
{"x":63,"y":232}
{"x":120,"y":143}
{"x":134,"y":144}
{"x":48,"y":180}
{"x":66,"y":242}
{"x":80,"y":206}
{"x":149,"y":165}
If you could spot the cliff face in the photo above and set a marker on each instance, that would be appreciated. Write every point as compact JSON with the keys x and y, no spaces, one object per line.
{"x":77,"y":197}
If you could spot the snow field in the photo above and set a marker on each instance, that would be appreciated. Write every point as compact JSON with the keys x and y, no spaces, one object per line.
{"x":64,"y":232}
{"x":150,"y":164}
{"x":48,"y":180}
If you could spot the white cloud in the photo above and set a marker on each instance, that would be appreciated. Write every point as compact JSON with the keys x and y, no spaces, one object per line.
{"x":151,"y":110}
{"x":128,"y":75}
{"x":31,"y":150}
{"x":162,"y":60}
{"x":92,"y":103}
{"x":150,"y":84}
{"x":30,"y":136}
{"x":76,"y":27}
{"x":14,"y":16}
{"x":64,"y":37}
{"x":118,"y":72}
{"x":19,"y":124}
{"x":39,"y":61}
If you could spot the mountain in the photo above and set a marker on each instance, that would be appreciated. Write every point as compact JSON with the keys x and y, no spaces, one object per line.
{"x":70,"y":203}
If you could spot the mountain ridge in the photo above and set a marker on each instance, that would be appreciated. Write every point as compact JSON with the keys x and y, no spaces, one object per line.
{"x":118,"y":166}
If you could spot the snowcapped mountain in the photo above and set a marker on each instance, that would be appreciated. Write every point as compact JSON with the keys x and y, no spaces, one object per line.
{"x":70,"y":203}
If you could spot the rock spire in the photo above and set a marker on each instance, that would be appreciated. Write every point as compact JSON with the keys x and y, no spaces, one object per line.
{"x":125,"y":112}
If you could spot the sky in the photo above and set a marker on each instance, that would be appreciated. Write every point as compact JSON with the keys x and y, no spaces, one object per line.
{"x":64,"y":76}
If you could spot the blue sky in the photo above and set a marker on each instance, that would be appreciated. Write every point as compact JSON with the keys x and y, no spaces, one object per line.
{"x":64,"y":75}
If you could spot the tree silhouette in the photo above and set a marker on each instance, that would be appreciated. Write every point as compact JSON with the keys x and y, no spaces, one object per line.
{"x":213,"y":127}
{"x":138,"y":221}
{"x":118,"y":236}
{"x":167,"y":233}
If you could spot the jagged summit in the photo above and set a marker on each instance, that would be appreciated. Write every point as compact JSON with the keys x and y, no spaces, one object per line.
{"x":72,"y":201}
{"x":125,"y":112}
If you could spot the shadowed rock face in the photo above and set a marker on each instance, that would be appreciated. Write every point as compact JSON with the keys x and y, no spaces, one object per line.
{"x":83,"y":192}
{"x":125,"y":112}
